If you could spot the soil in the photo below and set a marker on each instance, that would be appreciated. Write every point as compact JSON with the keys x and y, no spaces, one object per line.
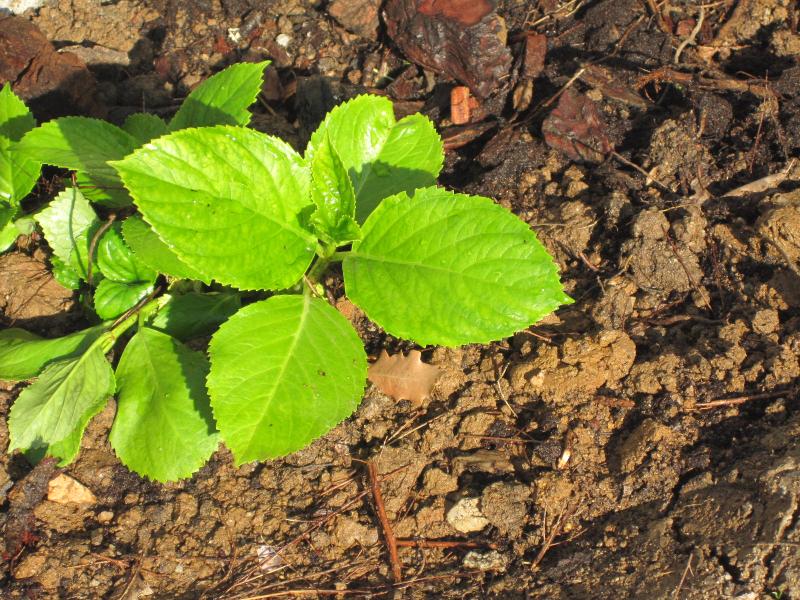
{"x":641,"y":442}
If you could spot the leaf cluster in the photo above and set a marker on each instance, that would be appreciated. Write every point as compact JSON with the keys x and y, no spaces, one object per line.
{"x":200,"y":226}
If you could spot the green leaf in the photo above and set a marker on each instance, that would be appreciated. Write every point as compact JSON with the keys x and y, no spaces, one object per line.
{"x":382,"y":156}
{"x":195,"y":315}
{"x":15,"y":118}
{"x":52,"y":412}
{"x":84,"y":145}
{"x":284,"y":371}
{"x":153,"y":252}
{"x":23,"y":355}
{"x":450,"y":269}
{"x":332,"y":192}
{"x":69,"y":223}
{"x":117,"y":262}
{"x":18,"y":173}
{"x":228,"y":202}
{"x":163,"y":428}
{"x":112,"y":298}
{"x":222,"y":99}
{"x":66,"y":275}
{"x":144,"y":127}
{"x":8,"y":234}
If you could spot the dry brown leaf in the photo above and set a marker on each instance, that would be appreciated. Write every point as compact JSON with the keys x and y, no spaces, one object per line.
{"x":63,"y":489}
{"x":403,"y":377}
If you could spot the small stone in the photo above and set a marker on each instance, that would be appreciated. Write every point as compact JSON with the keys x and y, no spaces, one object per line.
{"x":30,"y":566}
{"x":283,"y":40}
{"x":105,"y":516}
{"x":466,"y":516}
{"x":63,"y":489}
{"x":485,"y":561}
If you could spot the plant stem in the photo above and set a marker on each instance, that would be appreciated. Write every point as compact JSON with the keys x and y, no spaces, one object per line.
{"x":149,"y":308}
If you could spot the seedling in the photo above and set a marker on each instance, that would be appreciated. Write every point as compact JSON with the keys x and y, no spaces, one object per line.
{"x":219,"y":215}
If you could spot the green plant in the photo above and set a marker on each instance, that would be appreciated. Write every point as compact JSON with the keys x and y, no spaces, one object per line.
{"x":18,"y":173}
{"x":221,"y":215}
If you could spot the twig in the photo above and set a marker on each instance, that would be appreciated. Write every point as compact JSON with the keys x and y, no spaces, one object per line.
{"x":686,"y":571}
{"x":692,"y":39}
{"x":388,"y":533}
{"x":738,"y":400}
{"x":762,"y":185}
{"x":408,"y":543}
{"x":549,"y":540}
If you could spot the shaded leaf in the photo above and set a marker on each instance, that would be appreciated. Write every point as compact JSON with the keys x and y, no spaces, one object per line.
{"x":112,"y":298}
{"x":69,"y":223}
{"x":50,"y":415}
{"x":153,"y":252}
{"x":84,"y":145}
{"x":15,"y":118}
{"x":117,"y":262}
{"x":403,"y":377}
{"x":23,"y":354}
{"x":145,"y":127}
{"x":195,"y":315}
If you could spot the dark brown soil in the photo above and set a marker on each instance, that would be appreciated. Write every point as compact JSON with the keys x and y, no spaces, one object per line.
{"x":643,"y":442}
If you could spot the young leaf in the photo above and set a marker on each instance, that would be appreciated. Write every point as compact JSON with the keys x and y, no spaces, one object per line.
{"x":52,"y":412}
{"x":163,"y":428}
{"x":18,"y":174}
{"x":332,"y":192}
{"x":15,"y":118}
{"x":403,"y":377}
{"x":8,"y":232}
{"x":153,"y":252}
{"x":112,"y":298}
{"x":84,"y":145}
{"x":382,"y":156}
{"x":222,"y":99}
{"x":117,"y":262}
{"x":69,"y":223}
{"x":450,"y":269}
{"x":145,"y":127}
{"x":228,"y":202}
{"x":284,"y":371}
{"x":23,"y":354}
{"x":195,"y":315}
